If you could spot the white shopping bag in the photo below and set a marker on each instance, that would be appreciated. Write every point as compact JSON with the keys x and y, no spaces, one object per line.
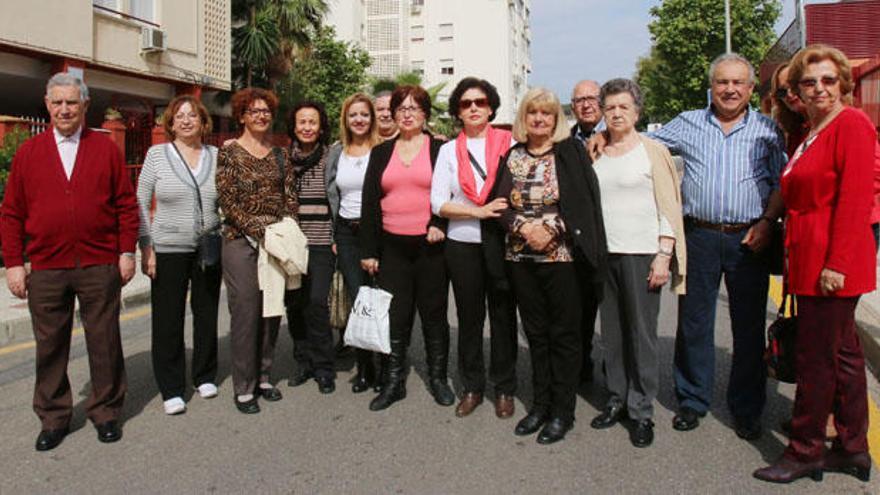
{"x":368,"y":323}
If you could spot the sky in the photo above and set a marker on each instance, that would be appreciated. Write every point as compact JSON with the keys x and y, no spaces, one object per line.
{"x":595,"y":39}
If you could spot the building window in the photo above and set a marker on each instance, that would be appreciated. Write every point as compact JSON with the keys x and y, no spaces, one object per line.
{"x":417,"y":33}
{"x":446,"y":32}
{"x":446,"y":67}
{"x":418,"y":67}
{"x":418,"y":3}
{"x":136,"y":10}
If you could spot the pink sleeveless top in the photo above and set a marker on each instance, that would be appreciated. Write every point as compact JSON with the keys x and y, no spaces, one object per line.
{"x":406,"y":203}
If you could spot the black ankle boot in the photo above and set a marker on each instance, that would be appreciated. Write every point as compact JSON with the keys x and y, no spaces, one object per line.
{"x":395,"y":381}
{"x":366,"y":372}
{"x":437,"y":348}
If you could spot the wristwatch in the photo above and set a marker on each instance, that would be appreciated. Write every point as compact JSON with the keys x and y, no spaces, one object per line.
{"x":130,"y":255}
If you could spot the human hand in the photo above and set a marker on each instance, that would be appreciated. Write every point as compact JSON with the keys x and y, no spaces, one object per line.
{"x":16,"y":279}
{"x":758,"y":236}
{"x":491,"y":209}
{"x":658,"y":275}
{"x":831,"y":281}
{"x":596,"y":145}
{"x":538,"y":238}
{"x":148,"y":261}
{"x":370,"y":265}
{"x":333,"y":248}
{"x":126,"y":268}
{"x":435,"y":235}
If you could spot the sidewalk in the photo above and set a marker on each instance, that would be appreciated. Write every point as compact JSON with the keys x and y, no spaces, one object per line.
{"x":15,"y":320}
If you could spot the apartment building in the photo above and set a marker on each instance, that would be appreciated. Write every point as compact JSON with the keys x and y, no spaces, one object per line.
{"x":444,"y":41}
{"x":135,"y":55}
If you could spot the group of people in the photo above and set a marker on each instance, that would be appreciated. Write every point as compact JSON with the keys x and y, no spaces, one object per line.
{"x":558,"y":224}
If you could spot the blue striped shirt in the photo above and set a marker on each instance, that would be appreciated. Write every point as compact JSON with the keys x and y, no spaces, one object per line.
{"x":727,"y":178}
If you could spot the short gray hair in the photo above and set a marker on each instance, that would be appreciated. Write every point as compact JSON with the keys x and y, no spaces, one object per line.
{"x":618,"y":86}
{"x":68,"y":79}
{"x":731,"y":57}
{"x":382,"y":94}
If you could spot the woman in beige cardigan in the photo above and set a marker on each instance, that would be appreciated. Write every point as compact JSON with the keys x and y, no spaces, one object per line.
{"x":641,"y":208}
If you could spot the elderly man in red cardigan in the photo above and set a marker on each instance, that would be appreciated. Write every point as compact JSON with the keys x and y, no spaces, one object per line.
{"x":70,"y":207}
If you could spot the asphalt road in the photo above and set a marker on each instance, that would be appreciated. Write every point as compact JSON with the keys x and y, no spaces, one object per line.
{"x":312,"y":443}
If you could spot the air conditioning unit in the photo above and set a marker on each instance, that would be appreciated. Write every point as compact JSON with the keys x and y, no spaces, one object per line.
{"x":152,"y":40}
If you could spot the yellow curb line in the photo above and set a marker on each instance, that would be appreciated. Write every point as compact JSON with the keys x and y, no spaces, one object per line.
{"x":76,"y":331}
{"x":775,"y":294}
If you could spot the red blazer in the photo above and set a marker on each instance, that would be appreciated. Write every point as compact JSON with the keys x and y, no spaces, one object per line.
{"x":88,"y":220}
{"x":829,"y":194}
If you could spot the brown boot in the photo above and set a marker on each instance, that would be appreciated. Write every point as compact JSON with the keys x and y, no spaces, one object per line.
{"x":469,"y":402}
{"x":786,"y":470}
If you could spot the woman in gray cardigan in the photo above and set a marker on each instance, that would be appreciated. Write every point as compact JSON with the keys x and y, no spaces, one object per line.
{"x":179,"y":175}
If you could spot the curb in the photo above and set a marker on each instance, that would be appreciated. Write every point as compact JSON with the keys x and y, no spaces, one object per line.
{"x":18,"y":329}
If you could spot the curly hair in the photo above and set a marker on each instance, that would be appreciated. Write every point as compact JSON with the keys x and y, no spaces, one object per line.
{"x":174,"y":106}
{"x":244,"y":98}
{"x":473,"y":83}
{"x":324,"y":131}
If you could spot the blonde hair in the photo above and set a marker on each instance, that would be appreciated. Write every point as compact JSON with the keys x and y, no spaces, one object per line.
{"x":345,"y":133}
{"x":544,"y":99}
{"x":814,"y":54}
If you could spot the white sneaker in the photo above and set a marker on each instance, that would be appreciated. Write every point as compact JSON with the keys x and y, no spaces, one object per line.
{"x":207,"y":390}
{"x":174,"y":405}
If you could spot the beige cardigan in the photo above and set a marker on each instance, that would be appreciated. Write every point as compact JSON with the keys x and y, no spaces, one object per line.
{"x":667,"y":193}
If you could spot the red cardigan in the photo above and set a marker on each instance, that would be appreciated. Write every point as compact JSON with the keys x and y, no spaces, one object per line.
{"x":89,"y":220}
{"x":828,"y":194}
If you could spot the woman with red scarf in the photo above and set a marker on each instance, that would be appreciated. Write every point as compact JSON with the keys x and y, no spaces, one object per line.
{"x":464,"y":175}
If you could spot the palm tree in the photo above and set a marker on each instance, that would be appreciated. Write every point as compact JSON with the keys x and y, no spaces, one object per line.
{"x":266,"y":35}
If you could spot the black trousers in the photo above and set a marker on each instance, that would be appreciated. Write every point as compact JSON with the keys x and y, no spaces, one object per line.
{"x":175,"y":274}
{"x":414,"y":272}
{"x":308,"y":314}
{"x":472,"y":285}
{"x":548,"y":296}
{"x":590,"y":306}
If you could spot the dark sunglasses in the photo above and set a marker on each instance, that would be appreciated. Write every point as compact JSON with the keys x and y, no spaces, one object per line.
{"x":479,"y":102}
{"x":812,"y":82}
{"x":782,"y":93}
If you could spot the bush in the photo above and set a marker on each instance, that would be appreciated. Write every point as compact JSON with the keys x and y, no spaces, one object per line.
{"x":10,"y":145}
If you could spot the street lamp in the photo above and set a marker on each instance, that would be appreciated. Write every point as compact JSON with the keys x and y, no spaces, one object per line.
{"x":727,"y":25}
{"x":801,"y":22}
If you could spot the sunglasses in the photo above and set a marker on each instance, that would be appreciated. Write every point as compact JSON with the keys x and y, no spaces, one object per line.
{"x":782,"y":93}
{"x":479,"y":102}
{"x":813,"y":82}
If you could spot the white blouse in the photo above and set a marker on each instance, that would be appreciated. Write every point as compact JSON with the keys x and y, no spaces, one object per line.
{"x":633,"y":224}
{"x":350,"y":181}
{"x":445,"y":188}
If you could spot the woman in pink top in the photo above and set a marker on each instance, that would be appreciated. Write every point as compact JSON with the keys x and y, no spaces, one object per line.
{"x":401,"y":244}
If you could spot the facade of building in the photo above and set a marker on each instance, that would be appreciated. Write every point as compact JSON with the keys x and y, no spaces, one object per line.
{"x":444,"y":41}
{"x":135,"y":55}
{"x":850,"y":26}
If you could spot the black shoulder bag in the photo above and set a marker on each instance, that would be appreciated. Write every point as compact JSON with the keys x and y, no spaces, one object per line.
{"x":209,"y":243}
{"x":781,"y":338}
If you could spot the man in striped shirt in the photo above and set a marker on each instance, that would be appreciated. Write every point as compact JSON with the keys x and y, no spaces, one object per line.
{"x":733,"y":157}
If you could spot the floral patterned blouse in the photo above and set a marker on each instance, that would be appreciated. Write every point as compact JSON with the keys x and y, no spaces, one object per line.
{"x":535,"y":195}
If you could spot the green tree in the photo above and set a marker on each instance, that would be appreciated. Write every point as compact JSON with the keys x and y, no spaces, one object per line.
{"x":441,"y":122}
{"x":267,"y":35}
{"x":11,"y":142}
{"x":328,"y":73}
{"x":687,"y":35}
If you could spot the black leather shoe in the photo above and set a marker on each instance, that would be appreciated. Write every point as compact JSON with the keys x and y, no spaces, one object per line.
{"x":389,"y":395}
{"x":748,"y":428}
{"x":247,"y":407}
{"x":326,"y":384}
{"x":643,"y":434}
{"x":109,"y":432}
{"x":270,"y":394}
{"x":687,"y":419}
{"x":441,"y":391}
{"x":360,"y":384}
{"x":49,"y":439}
{"x":610,"y":416}
{"x":554,"y":431}
{"x":300,"y":376}
{"x":530,"y":424}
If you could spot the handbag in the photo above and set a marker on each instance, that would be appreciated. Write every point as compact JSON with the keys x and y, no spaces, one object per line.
{"x":781,"y":339}
{"x":339,"y":302}
{"x":369,"y":324}
{"x":209,"y":243}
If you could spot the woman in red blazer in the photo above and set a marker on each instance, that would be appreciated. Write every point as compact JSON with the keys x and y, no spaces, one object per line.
{"x":828,"y":191}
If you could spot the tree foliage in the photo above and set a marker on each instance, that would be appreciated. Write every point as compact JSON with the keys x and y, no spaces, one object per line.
{"x":328,"y":73}
{"x":687,"y":35}
{"x":267,"y":35}
{"x":441,"y":122}
{"x":10,"y":144}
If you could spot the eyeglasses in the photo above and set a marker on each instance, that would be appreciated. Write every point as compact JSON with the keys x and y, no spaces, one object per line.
{"x":479,"y":102}
{"x":739,"y":83}
{"x":257,"y":112}
{"x":782,"y":93}
{"x":812,"y":82}
{"x":180,"y":117}
{"x":580,"y":100}
{"x":409,"y":110}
